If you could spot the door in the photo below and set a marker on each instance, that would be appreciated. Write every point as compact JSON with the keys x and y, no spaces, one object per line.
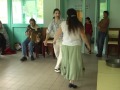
{"x":83,"y":19}
{"x":100,"y":7}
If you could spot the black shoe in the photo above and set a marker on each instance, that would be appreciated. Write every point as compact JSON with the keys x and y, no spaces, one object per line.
{"x":23,"y":59}
{"x":72,"y":85}
{"x":3,"y":53}
{"x":32,"y":58}
{"x":98,"y":55}
{"x":90,"y":52}
{"x":83,"y":68}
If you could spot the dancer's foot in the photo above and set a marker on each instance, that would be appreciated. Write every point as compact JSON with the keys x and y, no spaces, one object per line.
{"x":57,"y":70}
{"x":72,"y":85}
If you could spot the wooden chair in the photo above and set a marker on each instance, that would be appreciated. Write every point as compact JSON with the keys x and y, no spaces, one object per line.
{"x":113,"y":40}
{"x":43,"y":49}
{"x":49,"y":48}
{"x":39,"y":49}
{"x":35,"y":49}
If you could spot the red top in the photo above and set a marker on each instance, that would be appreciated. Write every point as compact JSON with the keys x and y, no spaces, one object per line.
{"x":88,"y":29}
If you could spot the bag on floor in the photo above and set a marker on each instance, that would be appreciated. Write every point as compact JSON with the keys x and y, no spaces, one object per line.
{"x":17,"y":46}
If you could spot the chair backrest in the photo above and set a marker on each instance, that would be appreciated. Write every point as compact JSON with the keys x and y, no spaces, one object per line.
{"x":44,"y":32}
{"x":113,"y":34}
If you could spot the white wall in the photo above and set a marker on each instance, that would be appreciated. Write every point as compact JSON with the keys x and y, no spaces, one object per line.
{"x":77,"y":4}
{"x":49,"y":6}
{"x":114,"y":13}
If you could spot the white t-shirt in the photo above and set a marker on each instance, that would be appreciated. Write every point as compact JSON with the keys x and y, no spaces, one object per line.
{"x":70,"y":39}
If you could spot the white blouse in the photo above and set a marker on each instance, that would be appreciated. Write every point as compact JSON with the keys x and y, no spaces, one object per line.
{"x":71,"y":39}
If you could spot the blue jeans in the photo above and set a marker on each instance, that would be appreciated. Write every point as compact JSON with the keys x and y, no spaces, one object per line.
{"x":30,"y":47}
{"x":100,"y":41}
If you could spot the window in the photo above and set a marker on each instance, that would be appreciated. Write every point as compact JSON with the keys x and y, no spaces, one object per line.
{"x":103,"y":7}
{"x":3,"y":14}
{"x":17,"y":11}
{"x":23,"y":10}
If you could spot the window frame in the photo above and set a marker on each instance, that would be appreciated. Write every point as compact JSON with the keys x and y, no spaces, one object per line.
{"x":24,"y":20}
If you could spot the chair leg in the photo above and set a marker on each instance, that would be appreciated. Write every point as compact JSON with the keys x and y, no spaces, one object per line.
{"x":36,"y":51}
{"x":43,"y":50}
{"x":107,"y":51}
{"x":47,"y":50}
{"x":118,"y":51}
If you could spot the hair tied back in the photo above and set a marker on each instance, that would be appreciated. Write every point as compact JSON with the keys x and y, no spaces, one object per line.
{"x":73,"y":15}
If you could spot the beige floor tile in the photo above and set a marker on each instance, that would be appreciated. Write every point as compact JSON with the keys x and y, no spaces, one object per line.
{"x":103,"y":68}
{"x":33,"y":88}
{"x":23,"y":88}
{"x":3,"y":88}
{"x":40,"y":75}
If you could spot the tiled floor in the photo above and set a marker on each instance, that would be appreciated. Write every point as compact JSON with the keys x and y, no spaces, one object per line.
{"x":108,"y":77}
{"x":40,"y":75}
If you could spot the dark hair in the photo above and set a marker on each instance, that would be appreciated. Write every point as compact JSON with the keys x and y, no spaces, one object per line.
{"x":56,"y":9}
{"x":106,"y":12}
{"x":32,"y":19}
{"x":72,"y":21}
{"x":87,"y":18}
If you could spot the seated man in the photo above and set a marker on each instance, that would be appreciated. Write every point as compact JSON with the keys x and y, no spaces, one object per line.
{"x":4,"y":32}
{"x":29,"y":40}
{"x":2,"y":43}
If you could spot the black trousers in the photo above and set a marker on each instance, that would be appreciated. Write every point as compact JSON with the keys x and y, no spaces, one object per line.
{"x":2,"y":42}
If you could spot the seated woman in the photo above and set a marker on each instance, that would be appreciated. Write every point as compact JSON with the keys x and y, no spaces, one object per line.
{"x":29,"y":40}
{"x":4,"y":40}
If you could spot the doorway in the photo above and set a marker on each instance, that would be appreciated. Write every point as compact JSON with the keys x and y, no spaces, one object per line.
{"x":86,"y":8}
{"x":94,"y":10}
{"x":100,"y":7}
